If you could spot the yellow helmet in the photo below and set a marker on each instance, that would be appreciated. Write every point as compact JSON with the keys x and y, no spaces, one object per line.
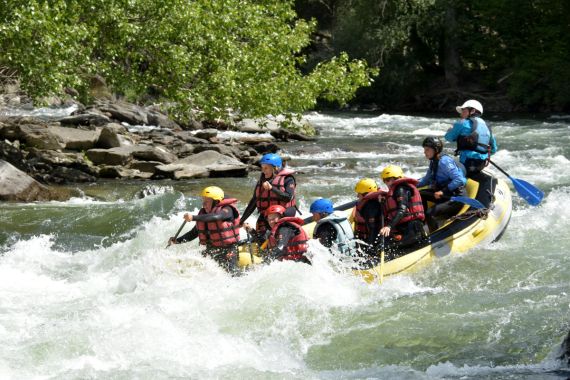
{"x":366,"y":185}
{"x":213,"y":192}
{"x":392,"y":171}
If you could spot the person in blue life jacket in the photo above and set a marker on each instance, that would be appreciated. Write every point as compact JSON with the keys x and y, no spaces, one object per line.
{"x":444,"y":179}
{"x":217,"y":228}
{"x":475,"y":140}
{"x":332,"y":228}
{"x":276,"y":186}
{"x":404,"y":212}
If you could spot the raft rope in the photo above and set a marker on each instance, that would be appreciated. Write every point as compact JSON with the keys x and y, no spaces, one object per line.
{"x":482,"y":213}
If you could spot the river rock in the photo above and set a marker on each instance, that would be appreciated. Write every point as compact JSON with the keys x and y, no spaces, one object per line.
{"x":205,"y":164}
{"x":109,"y":137}
{"x":286,"y":135}
{"x":190,"y":138}
{"x":15,"y":185}
{"x":113,"y":156}
{"x":76,"y":139}
{"x":145,"y":166}
{"x":206,"y":134}
{"x":64,"y":175}
{"x":129,"y":113}
{"x":264,"y":147}
{"x":256,"y":125}
{"x":35,"y":133}
{"x":11,"y":153}
{"x":91,"y":118}
{"x":160,"y":120}
{"x":153,"y":153}
{"x":220,"y":148}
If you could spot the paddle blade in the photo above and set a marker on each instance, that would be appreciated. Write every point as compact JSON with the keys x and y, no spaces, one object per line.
{"x":468,"y":201}
{"x":530,"y":193}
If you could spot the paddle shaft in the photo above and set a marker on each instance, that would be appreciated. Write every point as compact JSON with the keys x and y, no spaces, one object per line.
{"x":177,"y":232}
{"x":501,"y":170}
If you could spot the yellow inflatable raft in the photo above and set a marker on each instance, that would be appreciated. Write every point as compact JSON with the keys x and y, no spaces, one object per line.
{"x":469,"y":228}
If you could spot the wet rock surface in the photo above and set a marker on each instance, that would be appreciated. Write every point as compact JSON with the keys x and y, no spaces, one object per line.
{"x":112,"y":139}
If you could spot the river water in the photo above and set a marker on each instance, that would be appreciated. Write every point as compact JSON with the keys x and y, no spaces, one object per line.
{"x":87,"y":289}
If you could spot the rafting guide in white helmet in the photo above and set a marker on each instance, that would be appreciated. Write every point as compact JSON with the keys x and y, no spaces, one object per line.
{"x":475,"y":140}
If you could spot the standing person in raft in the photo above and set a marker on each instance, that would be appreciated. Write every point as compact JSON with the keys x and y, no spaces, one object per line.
{"x":445,"y":179}
{"x":287,"y":240}
{"x":217,"y":228}
{"x":276,"y":186}
{"x":333,"y":228}
{"x":367,"y":216}
{"x":404,"y":225}
{"x":475,"y":140}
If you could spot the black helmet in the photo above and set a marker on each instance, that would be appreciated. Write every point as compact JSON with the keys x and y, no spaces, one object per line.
{"x":434,"y":143}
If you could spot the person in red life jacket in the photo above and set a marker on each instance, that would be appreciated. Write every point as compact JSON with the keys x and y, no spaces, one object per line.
{"x":287,"y":240}
{"x":276,"y":186}
{"x":404,"y":212}
{"x":217,"y":228}
{"x":367,"y":216}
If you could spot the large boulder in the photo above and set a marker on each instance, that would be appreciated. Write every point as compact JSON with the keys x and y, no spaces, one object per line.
{"x":76,"y":139}
{"x":113,"y":156}
{"x":129,"y":113}
{"x":153,"y":153}
{"x":124,"y":154}
{"x":15,"y":185}
{"x":161,"y":120}
{"x":109,"y":137}
{"x":91,"y":118}
{"x":34,"y":132}
{"x":204,"y":164}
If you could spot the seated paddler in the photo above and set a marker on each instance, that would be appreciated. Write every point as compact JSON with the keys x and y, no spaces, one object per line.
{"x":332,"y":229}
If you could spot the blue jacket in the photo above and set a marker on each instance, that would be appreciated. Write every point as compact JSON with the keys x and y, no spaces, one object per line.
{"x":448,"y":178}
{"x":463,"y":128}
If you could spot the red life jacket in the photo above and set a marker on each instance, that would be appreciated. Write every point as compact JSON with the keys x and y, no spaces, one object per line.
{"x":297,"y":246}
{"x":360,"y":229}
{"x":415,"y":210}
{"x":266,"y":198}
{"x":221,"y":233}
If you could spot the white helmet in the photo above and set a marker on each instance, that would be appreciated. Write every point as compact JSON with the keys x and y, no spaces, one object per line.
{"x":471,"y":104}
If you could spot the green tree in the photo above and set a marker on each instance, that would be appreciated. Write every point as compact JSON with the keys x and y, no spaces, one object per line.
{"x":204,"y":55}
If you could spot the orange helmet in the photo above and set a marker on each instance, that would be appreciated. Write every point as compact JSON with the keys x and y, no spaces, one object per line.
{"x":275,"y":209}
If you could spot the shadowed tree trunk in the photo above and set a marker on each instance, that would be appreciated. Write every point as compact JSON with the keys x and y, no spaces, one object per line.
{"x":451,"y":63}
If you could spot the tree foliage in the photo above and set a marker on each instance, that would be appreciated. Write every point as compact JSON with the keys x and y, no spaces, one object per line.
{"x":491,"y":48}
{"x":206,"y":55}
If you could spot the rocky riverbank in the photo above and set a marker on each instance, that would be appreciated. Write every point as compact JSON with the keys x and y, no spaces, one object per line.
{"x":112,"y":139}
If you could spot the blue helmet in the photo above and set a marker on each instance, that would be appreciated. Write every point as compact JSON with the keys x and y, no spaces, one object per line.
{"x":271,"y":159}
{"x":322,"y":205}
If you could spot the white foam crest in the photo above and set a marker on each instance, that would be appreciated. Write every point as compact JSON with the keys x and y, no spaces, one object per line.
{"x":399,"y":150}
{"x":228,"y":135}
{"x":534,"y":167}
{"x":447,"y":369}
{"x":44,"y":112}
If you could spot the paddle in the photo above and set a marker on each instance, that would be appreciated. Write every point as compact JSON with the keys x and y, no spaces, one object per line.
{"x":342,"y":207}
{"x":177,"y":233}
{"x":528,"y":192}
{"x":382,"y":253}
{"x":468,"y":201}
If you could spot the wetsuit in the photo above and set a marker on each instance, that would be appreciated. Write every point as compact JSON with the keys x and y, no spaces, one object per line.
{"x":285,"y":197}
{"x":442,"y":175}
{"x":227,"y":255}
